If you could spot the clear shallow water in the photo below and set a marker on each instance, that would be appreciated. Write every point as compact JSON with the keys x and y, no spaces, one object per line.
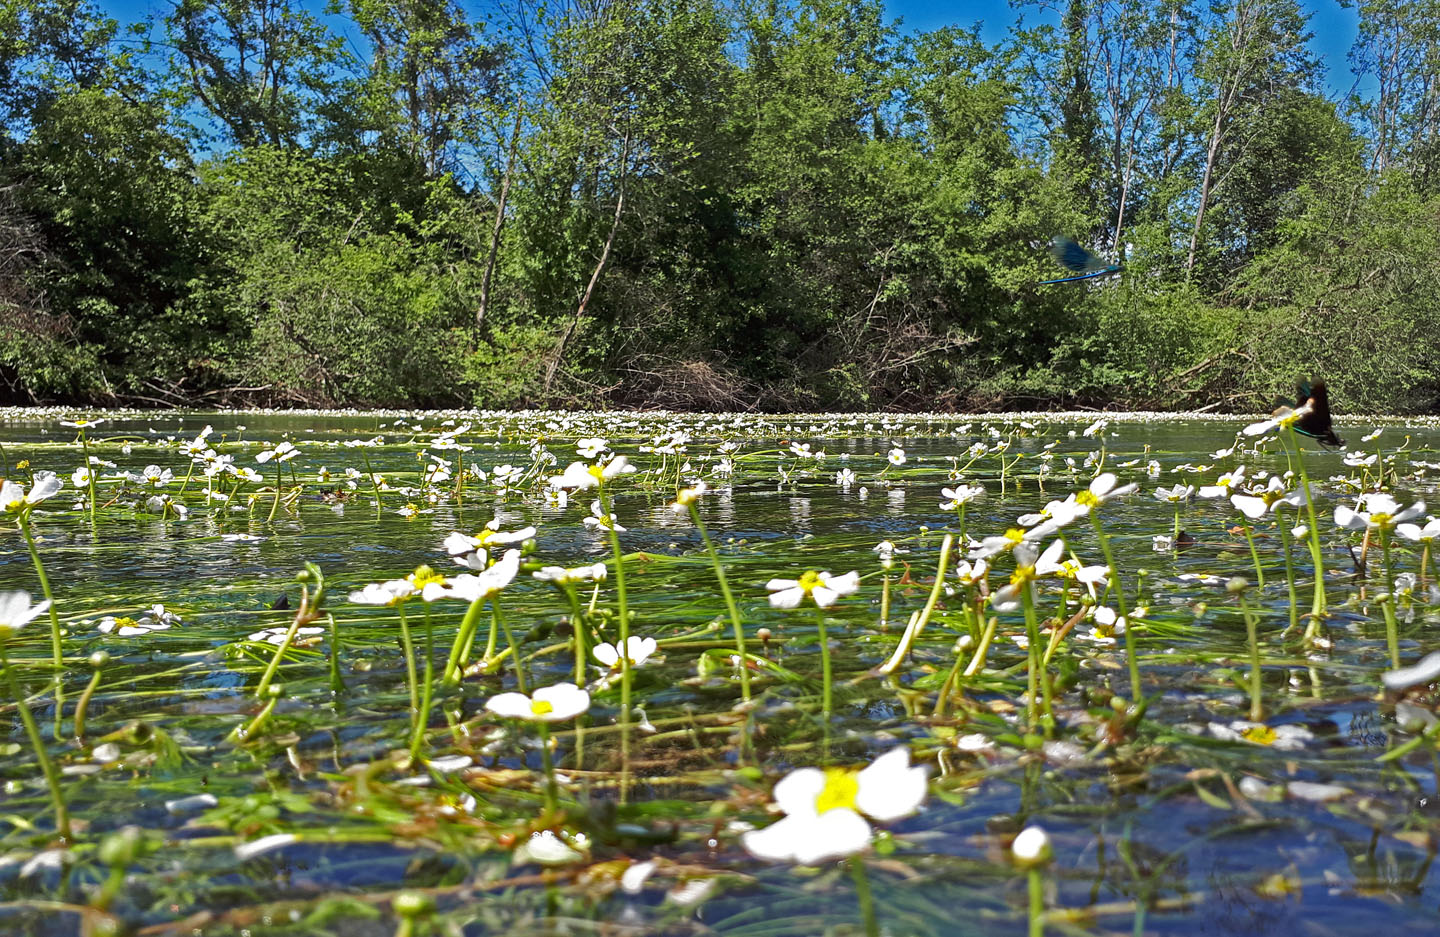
{"x":1174,"y":822}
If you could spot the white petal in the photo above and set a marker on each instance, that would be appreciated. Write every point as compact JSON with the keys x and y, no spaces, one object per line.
{"x":1414,"y":510}
{"x":1049,"y":561}
{"x":832,"y":835}
{"x":797,"y":792}
{"x":777,"y":841}
{"x":890,"y":788}
{"x":246,"y":851}
{"x":510,"y":705}
{"x":566,"y":700}
{"x":606,"y":654}
{"x":1249,"y":505}
{"x":790,"y":598}
{"x":1348,"y":518}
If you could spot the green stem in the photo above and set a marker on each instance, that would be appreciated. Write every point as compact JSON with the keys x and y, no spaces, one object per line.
{"x":624,"y":641}
{"x":552,"y":789}
{"x":337,"y":684}
{"x":55,"y":648}
{"x":83,"y":705}
{"x":1392,"y":626}
{"x":1318,"y":608}
{"x":514,"y":649}
{"x":263,"y":687}
{"x":912,"y":631}
{"x":1136,"y":690}
{"x":863,"y":896}
{"x":275,"y":505}
{"x":52,"y":778}
{"x":410,"y":676}
{"x":246,"y":734}
{"x":825,"y":690}
{"x":1257,"y":713}
{"x":1254,"y":553}
{"x":1290,"y":579}
{"x":459,"y":650}
{"x":428,"y":689}
{"x":1037,"y":902}
{"x":577,"y":627}
{"x":374,"y":484}
{"x":1035,"y":677}
{"x":57,"y":654}
{"x":90,"y":473}
{"x":738,"y":626}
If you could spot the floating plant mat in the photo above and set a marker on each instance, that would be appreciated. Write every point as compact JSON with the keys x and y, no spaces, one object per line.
{"x":290,"y":701}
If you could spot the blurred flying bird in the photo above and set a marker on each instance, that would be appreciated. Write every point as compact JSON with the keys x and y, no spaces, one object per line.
{"x":1074,"y":257}
{"x":1316,"y":423}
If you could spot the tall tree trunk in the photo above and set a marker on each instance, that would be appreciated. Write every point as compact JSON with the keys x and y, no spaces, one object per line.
{"x":559,"y":352}
{"x":1211,"y":153}
{"x":495,"y":230}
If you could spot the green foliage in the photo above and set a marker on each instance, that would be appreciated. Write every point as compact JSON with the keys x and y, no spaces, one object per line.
{"x":768,"y":205}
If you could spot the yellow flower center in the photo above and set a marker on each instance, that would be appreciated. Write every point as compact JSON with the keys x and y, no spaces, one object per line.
{"x":808,"y":581}
{"x":541,"y":707}
{"x":842,"y":786}
{"x":126,"y":623}
{"x":1260,"y":735}
{"x":1015,"y":535}
{"x":424,"y":575}
{"x":1087,"y":499}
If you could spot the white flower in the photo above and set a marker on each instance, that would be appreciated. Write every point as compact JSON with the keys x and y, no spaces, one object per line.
{"x":599,"y":519}
{"x":1032,"y":846}
{"x":688,"y":496}
{"x":1225,"y":485}
{"x":560,"y":575}
{"x":896,"y":456}
{"x":1179,"y":494}
{"x":128,"y":626}
{"x":281,"y":453}
{"x":1028,"y":566}
{"x":83,"y":422}
{"x":967,"y":574}
{"x":548,"y":704}
{"x":80,"y":478}
{"x":1260,"y":500}
{"x":383,"y":593}
{"x":591,"y":446}
{"x":580,"y":475}
{"x":16,"y":611}
{"x":1383,"y":512}
{"x":825,"y":811}
{"x":487,"y":584}
{"x":961,"y":494}
{"x":276,"y":636}
{"x":638,"y":651}
{"x":824,"y":588}
{"x":1420,"y":534}
{"x":13,"y":498}
{"x":845,"y":477}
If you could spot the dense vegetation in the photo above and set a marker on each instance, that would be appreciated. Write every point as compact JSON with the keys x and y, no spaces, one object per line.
{"x":712,"y":203}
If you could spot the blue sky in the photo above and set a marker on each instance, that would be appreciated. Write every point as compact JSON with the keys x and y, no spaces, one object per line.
{"x":1333,"y":25}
